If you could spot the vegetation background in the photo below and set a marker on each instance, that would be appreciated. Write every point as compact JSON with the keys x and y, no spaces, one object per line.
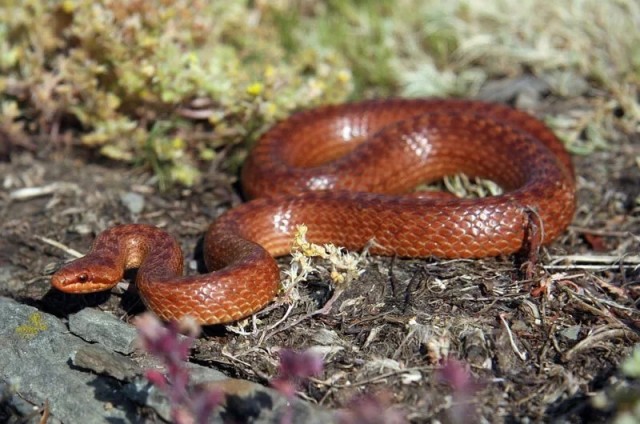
{"x":169,"y":84}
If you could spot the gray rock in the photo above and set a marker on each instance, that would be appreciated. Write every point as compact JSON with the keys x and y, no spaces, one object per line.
{"x":100,"y":327}
{"x":11,"y":404}
{"x":102,"y":361}
{"x":250,"y":402}
{"x":244,"y":402}
{"x":83,"y":382}
{"x":525,"y":90}
{"x":35,"y":353}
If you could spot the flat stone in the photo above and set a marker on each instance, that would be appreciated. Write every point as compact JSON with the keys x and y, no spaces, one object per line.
{"x":102,"y":361}
{"x":103,"y":328}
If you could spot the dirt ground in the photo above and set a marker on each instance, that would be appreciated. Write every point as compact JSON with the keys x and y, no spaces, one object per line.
{"x":538,"y":350}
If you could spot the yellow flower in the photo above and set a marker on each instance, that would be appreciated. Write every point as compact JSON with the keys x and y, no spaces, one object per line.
{"x":255,"y":89}
{"x":177,"y":143}
{"x":68,"y":6}
{"x":344,"y":76}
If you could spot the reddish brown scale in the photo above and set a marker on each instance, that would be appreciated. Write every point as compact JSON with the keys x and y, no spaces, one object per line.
{"x":361,"y":156}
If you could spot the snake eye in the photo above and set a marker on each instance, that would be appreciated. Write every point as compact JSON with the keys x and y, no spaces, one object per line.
{"x":83,"y":278}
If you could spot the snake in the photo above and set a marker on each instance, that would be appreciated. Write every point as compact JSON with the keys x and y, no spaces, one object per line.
{"x":348,"y":172}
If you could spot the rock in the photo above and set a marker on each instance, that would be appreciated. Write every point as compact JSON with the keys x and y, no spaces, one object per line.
{"x":250,"y":402}
{"x":525,"y":91}
{"x":35,"y":352}
{"x":133,"y":201}
{"x":12,"y":405}
{"x":101,"y":361}
{"x":244,"y":401}
{"x":84,"y":382}
{"x":100,"y":327}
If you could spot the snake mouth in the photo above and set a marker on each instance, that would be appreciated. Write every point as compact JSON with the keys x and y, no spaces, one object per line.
{"x":78,"y":288}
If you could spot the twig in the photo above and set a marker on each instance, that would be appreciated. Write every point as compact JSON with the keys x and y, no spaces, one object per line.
{"x":409,"y":290}
{"x":69,"y":251}
{"x":592,"y":309}
{"x":594,"y":268}
{"x":600,"y":336}
{"x":593,"y":262}
{"x":324,"y":310}
{"x":284,"y":318}
{"x":404,"y":342}
{"x":596,"y":259}
{"x":372,"y":379}
{"x":522,"y":355}
{"x":45,"y":412}
{"x":600,"y":232}
{"x":605,"y":303}
{"x":238,"y":328}
{"x":31,"y":192}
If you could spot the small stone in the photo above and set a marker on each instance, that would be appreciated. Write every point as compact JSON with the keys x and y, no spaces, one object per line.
{"x":571,"y":333}
{"x":100,"y":327}
{"x":102,"y":361}
{"x":525,"y":90}
{"x":133,"y":201}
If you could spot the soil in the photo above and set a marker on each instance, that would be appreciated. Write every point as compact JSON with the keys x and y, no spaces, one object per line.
{"x":539,"y":349}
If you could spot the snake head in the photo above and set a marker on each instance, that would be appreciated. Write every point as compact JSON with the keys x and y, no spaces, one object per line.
{"x":87,"y":275}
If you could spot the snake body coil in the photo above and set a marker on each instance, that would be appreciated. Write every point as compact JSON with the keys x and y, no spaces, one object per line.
{"x":342,"y":171}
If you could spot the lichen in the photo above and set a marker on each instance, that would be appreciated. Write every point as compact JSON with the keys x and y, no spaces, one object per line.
{"x":35,"y":326}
